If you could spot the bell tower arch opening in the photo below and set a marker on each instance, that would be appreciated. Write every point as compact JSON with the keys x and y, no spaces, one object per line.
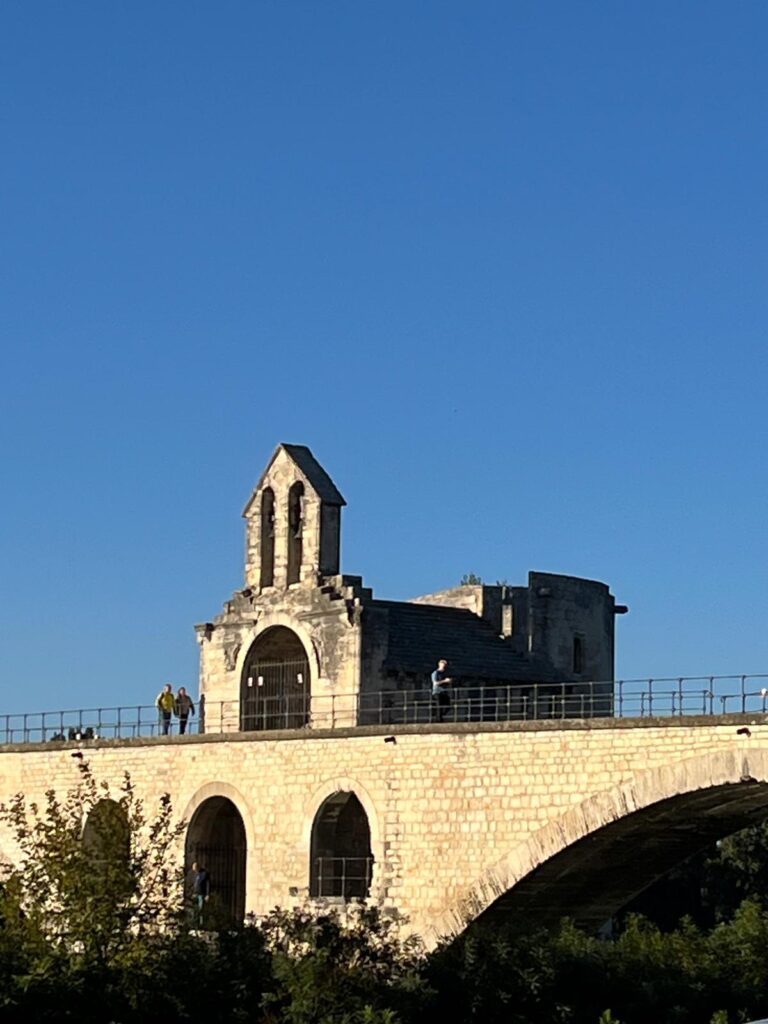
{"x":216,"y":844}
{"x":267,"y":578}
{"x":341,"y":860}
{"x":275,"y":685}
{"x":295,"y":531}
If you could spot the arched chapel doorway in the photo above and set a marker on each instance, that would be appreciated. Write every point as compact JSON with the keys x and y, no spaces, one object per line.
{"x":216,"y":842}
{"x":341,"y":857}
{"x":275,"y":685}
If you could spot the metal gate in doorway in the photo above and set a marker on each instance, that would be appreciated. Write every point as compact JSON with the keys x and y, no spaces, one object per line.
{"x":275,"y":695}
{"x":225,"y":865}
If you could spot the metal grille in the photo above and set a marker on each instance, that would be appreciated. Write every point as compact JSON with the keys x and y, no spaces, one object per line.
{"x":275,"y":695}
{"x":342,"y":877}
{"x":225,"y":865}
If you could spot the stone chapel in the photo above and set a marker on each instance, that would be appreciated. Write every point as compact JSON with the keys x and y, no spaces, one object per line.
{"x":303,"y":645}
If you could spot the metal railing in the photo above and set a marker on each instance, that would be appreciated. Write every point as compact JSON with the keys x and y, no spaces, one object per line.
{"x":636,"y":698}
{"x":341,"y":877}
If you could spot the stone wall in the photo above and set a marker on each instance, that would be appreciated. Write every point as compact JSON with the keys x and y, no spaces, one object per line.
{"x":563,"y":607}
{"x":457,"y":814}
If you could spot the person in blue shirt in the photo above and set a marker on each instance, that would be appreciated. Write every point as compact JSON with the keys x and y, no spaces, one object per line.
{"x":441,"y":698}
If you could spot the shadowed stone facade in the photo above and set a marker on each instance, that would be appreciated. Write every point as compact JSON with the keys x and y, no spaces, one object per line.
{"x":299,"y":633}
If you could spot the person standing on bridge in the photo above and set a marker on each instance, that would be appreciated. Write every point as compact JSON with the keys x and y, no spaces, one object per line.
{"x":183,"y":708}
{"x":441,"y":698}
{"x":165,"y":702}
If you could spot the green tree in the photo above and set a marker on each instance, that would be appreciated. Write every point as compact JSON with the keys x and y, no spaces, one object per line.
{"x":332,"y":971}
{"x":94,"y":873}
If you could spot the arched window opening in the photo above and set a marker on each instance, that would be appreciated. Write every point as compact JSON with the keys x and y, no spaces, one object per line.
{"x":107,"y":845}
{"x":341,"y":857}
{"x":275,"y":685}
{"x":267,"y":537}
{"x":578,"y":655}
{"x":214,"y":864}
{"x":295,"y":531}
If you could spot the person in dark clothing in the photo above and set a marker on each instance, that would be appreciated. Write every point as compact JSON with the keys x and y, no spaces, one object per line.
{"x":183,"y":708}
{"x":441,"y":698}
{"x":199,"y":885}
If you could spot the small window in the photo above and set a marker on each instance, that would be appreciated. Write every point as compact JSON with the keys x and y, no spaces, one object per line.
{"x":578,"y":655}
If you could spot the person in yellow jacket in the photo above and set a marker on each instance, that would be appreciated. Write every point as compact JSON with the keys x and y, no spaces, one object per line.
{"x":165,"y":704}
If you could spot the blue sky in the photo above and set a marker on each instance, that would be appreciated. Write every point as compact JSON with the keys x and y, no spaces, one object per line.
{"x":501,"y":265}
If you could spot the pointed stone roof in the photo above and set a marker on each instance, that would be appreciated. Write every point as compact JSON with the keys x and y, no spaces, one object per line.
{"x":306,"y":462}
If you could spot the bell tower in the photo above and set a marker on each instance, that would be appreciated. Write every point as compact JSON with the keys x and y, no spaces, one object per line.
{"x":293,"y":523}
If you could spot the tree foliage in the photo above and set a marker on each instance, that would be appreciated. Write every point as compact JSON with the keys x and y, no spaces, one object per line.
{"x":94,"y":873}
{"x":92,"y":930}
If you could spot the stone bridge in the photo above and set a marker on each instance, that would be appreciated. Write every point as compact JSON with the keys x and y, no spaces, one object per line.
{"x":442,"y":823}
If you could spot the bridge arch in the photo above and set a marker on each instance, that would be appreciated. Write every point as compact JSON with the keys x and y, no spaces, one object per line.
{"x":219,"y":837}
{"x":106,"y":831}
{"x":330,"y":792}
{"x":593,"y":859}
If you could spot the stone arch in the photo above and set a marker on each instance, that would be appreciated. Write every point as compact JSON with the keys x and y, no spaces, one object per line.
{"x":351,"y":787}
{"x":268,"y":621}
{"x":232,"y":794}
{"x":341,"y":859}
{"x":216,"y":841}
{"x":106,"y":831}
{"x":106,"y":842}
{"x":275,"y":682}
{"x":602,"y":848}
